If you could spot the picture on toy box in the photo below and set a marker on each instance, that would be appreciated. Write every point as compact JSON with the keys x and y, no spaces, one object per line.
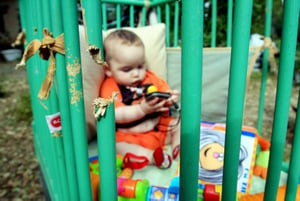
{"x":211,"y":155}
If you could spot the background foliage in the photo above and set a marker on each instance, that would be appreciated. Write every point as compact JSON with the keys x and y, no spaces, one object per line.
{"x":258,"y":21}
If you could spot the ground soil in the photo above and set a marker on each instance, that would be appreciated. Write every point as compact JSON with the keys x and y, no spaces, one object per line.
{"x":19,"y":169}
{"x":251,"y":108}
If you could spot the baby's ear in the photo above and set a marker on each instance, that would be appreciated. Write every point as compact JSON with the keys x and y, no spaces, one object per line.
{"x":107,"y":70}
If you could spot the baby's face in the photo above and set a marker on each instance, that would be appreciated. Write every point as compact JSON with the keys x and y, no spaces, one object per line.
{"x":127,"y":64}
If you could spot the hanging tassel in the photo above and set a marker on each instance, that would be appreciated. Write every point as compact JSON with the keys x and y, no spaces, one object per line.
{"x":48,"y":81}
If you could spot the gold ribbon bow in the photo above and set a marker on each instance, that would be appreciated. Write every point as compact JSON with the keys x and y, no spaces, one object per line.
{"x":47,"y":49}
{"x":100,"y":105}
{"x":20,"y":40}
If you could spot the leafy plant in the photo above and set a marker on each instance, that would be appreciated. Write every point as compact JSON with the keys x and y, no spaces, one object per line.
{"x":258,"y":20}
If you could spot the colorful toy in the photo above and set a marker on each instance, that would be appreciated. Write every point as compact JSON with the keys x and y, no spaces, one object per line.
{"x":211,"y":152}
{"x":139,"y":190}
{"x":126,"y":172}
{"x":94,"y":174}
{"x":206,"y":192}
{"x":132,"y":190}
{"x":170,"y":193}
{"x":156,"y":193}
{"x":210,"y":193}
{"x":262,"y":158}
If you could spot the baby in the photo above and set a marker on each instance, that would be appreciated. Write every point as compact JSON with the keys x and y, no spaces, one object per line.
{"x":143,"y":126}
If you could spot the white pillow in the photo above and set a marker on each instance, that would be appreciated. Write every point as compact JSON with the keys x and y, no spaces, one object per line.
{"x":93,"y":74}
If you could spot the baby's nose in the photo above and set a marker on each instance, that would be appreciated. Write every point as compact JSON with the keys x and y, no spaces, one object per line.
{"x":135,"y":72}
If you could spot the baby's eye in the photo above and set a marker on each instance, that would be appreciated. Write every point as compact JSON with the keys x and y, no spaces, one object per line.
{"x":126,"y":69}
{"x":140,"y":66}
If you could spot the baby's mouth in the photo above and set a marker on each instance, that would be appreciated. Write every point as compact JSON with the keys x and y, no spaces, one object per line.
{"x":135,"y":84}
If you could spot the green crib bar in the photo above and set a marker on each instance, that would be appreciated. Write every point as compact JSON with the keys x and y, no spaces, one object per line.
{"x":43,"y":21}
{"x":107,"y":154}
{"x":143,"y":16}
{"x":236,"y":96}
{"x":29,"y":25}
{"x":76,"y":97}
{"x":53,"y":108}
{"x":192,"y":43}
{"x":131,"y":11}
{"x":168,"y":4}
{"x":176,"y":24}
{"x":268,"y":25}
{"x":284,"y":89}
{"x":138,"y":2}
{"x":34,"y":83}
{"x":229,"y":23}
{"x":62,"y":89}
{"x":158,"y":10}
{"x":104,"y":17}
{"x":93,"y":24}
{"x":49,"y":163}
{"x":294,"y":170}
{"x":214,"y":24}
{"x":167,"y":13}
{"x":118,"y":15}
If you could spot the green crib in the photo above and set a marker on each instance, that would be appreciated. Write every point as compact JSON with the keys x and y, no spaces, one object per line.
{"x":64,"y":154}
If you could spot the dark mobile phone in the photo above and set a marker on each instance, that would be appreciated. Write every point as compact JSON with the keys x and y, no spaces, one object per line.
{"x":152,"y":95}
{"x":164,"y":95}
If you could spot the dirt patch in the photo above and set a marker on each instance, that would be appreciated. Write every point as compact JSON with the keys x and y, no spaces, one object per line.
{"x":19,"y":170}
{"x":251,"y":108}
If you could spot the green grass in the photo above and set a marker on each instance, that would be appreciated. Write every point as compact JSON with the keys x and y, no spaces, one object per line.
{"x":255,"y":76}
{"x":23,"y":110}
{"x":1,"y":91}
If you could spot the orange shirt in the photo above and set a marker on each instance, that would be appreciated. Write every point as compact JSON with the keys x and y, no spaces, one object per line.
{"x":151,"y":139}
{"x":109,"y":86}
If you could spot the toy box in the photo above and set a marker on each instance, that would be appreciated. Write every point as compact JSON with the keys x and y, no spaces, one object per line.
{"x":211,"y":155}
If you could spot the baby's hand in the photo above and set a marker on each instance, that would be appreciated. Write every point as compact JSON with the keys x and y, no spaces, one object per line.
{"x":173,"y":99}
{"x":154,"y":105}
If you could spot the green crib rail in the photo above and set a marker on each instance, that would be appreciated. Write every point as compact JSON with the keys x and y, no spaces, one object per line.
{"x":135,"y":6}
{"x":284,"y":89}
{"x":192,"y":43}
{"x":36,"y":70}
{"x":268,"y":25}
{"x":293,"y":181}
{"x":236,"y":96}
{"x":73,"y":66}
{"x":62,"y":90}
{"x":64,"y":159}
{"x":107,"y":154}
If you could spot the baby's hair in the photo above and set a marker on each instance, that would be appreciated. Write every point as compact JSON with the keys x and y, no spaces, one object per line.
{"x":212,"y":136}
{"x":124,"y":37}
